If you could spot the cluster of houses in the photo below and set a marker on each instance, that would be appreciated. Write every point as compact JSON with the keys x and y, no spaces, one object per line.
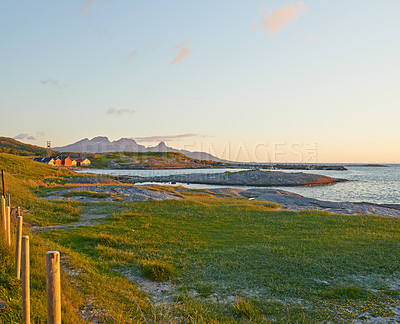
{"x":64,"y":161}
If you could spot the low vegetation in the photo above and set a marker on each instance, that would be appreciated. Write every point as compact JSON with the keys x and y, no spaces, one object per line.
{"x":205,"y":260}
{"x":158,"y":271}
{"x":149,"y":160}
{"x":89,"y":194}
{"x":12,"y":146}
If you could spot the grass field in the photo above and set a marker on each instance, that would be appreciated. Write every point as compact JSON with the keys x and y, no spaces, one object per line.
{"x":206,"y":260}
{"x":148,"y":160}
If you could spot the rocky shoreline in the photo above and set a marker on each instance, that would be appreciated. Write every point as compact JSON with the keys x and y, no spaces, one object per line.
{"x":292,"y":201}
{"x":117,"y":192}
{"x":288,"y":166}
{"x":220,"y":165}
{"x":242,"y":178}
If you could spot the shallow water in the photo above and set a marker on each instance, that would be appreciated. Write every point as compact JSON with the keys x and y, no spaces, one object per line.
{"x":371,"y":184}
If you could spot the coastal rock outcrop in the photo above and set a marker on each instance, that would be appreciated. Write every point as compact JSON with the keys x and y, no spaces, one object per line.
{"x":247,"y":178}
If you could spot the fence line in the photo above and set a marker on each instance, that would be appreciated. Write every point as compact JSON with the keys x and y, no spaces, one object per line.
{"x":53,"y":287}
{"x":22,"y":265}
{"x":26,"y":294}
{"x":18,"y":248}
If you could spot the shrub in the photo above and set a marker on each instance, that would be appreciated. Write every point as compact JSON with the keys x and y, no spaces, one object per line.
{"x":158,"y":271}
{"x":244,"y":308}
{"x":346,"y":292}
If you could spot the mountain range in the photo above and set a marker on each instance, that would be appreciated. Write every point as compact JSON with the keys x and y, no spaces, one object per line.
{"x":102,"y":144}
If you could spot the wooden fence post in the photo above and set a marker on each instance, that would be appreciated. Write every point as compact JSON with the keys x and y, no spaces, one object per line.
{"x":8,"y":230}
{"x":18,"y":248}
{"x":19,"y":211}
{"x":9,"y":200}
{"x":26,"y":294}
{"x":3,"y":214}
{"x":53,"y":287}
{"x":4,"y":183}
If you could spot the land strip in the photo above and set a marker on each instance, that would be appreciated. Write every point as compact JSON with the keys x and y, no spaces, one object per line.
{"x":241,"y":178}
{"x":128,"y":192}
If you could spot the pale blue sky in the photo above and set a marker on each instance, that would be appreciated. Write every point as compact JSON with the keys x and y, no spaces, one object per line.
{"x":329,"y":76}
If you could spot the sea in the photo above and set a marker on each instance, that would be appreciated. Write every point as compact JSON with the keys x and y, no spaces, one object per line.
{"x":374,"y":184}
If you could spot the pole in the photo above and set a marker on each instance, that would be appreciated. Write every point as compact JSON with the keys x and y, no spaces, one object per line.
{"x":3,"y":214}
{"x":18,"y":248}
{"x":8,"y":231}
{"x":4,"y":183}
{"x":53,"y":287}
{"x":26,"y":294}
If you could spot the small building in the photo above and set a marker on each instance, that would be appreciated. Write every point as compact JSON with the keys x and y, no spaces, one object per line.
{"x":83,"y":162}
{"x":58,"y":161}
{"x":66,"y":161}
{"x":49,"y":161}
{"x":62,"y":160}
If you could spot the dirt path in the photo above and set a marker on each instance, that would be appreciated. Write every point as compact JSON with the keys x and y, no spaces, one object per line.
{"x":90,"y":217}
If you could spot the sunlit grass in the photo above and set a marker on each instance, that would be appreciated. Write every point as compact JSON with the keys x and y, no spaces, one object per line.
{"x":225,"y":249}
{"x":226,"y":260}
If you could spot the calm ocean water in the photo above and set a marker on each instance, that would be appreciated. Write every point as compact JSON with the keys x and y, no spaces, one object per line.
{"x":371,"y":184}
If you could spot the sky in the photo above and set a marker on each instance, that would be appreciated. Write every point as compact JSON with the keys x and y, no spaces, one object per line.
{"x":281,"y":81}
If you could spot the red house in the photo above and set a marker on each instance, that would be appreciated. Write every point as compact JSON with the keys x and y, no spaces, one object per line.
{"x":57,"y":161}
{"x":62,"y":160}
{"x":67,"y":161}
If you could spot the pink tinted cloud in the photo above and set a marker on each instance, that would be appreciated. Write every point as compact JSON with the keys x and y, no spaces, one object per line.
{"x":274,"y":20}
{"x":260,"y":9}
{"x":183,"y":52}
{"x":253,"y":25}
{"x":86,"y":6}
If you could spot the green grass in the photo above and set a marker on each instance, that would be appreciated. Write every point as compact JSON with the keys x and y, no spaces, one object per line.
{"x":12,"y":146}
{"x":158,"y":271}
{"x":25,"y":168}
{"x":224,"y":260}
{"x":89,"y":194}
{"x":148,"y":159}
{"x":289,"y":266}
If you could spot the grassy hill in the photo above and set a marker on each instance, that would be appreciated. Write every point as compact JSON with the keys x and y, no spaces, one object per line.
{"x":150,"y":160}
{"x":200,"y":259}
{"x":12,"y":146}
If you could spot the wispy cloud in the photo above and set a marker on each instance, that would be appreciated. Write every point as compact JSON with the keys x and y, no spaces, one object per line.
{"x":274,"y":20}
{"x":119,"y":112}
{"x":153,"y":46}
{"x":260,"y":9}
{"x":183,"y":52}
{"x":21,"y":136}
{"x":51,"y":82}
{"x":165,"y":138}
{"x":104,"y":32}
{"x":253,"y":25}
{"x":129,"y":56}
{"x":24,"y":136}
{"x":86,"y":6}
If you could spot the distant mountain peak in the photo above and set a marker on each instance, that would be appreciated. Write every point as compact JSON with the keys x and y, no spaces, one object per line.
{"x":101,"y":144}
{"x":125,"y":140}
{"x":100,"y":139}
{"x":162,"y":145}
